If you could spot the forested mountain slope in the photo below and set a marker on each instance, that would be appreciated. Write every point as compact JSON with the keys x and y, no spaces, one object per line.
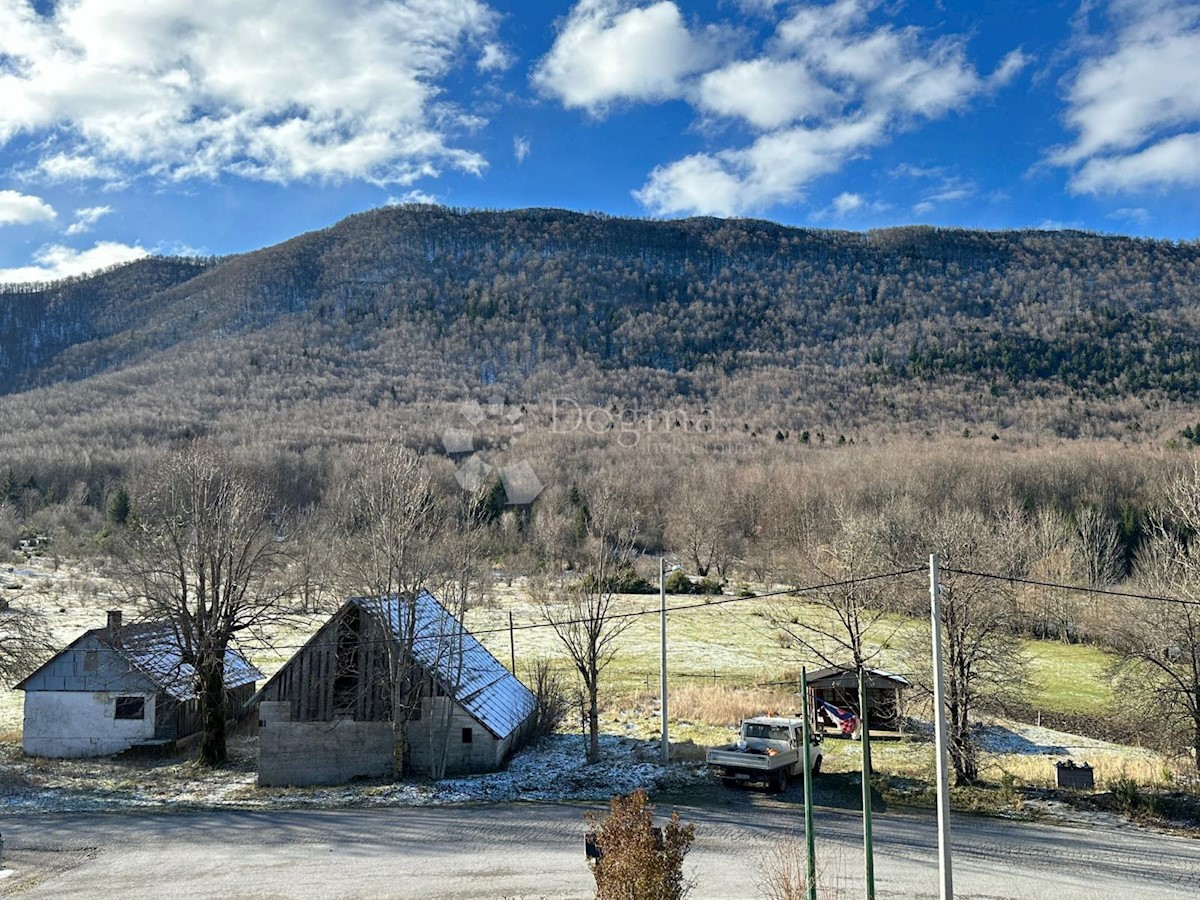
{"x":416,"y":304}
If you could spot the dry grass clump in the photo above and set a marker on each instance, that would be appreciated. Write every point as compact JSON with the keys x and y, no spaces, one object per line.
{"x":721,"y":706}
{"x":1143,"y":769}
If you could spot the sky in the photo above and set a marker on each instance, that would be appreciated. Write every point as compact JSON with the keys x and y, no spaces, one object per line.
{"x":221,"y":126}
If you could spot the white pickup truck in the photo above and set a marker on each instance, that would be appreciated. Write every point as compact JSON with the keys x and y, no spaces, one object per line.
{"x":768,"y":750}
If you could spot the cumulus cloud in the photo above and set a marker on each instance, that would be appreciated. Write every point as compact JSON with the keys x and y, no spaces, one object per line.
{"x":829,"y":86}
{"x":55,"y":261}
{"x":23,"y":209}
{"x":774,"y":169}
{"x":608,"y":50}
{"x":765,"y":92}
{"x":1133,"y":103}
{"x":279,"y":90}
{"x":86,"y":218}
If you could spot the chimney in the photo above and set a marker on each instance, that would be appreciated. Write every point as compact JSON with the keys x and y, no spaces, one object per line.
{"x":114,"y":625}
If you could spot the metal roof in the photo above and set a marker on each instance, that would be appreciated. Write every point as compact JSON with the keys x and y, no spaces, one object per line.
{"x":154,"y":649}
{"x":462,"y":666}
{"x":848,"y":669}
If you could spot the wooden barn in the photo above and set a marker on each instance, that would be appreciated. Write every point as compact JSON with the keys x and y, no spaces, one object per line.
{"x":327,"y":716}
{"x":885,"y":694}
{"x":119,"y":687}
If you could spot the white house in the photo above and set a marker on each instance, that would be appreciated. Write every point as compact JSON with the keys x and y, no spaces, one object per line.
{"x":118,"y":687}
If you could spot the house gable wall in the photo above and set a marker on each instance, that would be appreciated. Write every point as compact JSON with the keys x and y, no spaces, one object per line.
{"x":69,"y":671}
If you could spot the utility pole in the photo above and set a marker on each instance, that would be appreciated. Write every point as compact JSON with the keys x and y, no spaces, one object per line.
{"x":810,"y":850}
{"x":512,"y":644}
{"x":945,"y":875}
{"x":662,"y":657}
{"x":865,"y":726}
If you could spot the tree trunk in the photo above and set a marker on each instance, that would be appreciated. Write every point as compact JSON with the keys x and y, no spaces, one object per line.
{"x":213,"y":750}
{"x":1196,"y":743}
{"x":593,"y":754}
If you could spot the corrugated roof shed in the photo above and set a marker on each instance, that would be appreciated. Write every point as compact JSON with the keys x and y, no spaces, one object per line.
{"x":848,"y":672}
{"x":443,"y":646}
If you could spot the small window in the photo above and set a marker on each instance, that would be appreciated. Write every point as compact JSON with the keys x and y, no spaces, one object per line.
{"x":91,"y":661}
{"x":468,"y":736}
{"x":130,"y":708}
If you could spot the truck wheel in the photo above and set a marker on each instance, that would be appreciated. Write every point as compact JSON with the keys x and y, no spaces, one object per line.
{"x":780,"y":782}
{"x":729,"y":782}
{"x":816,"y":770}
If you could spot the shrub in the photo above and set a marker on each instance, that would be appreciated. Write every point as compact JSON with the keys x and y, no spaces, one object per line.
{"x":625,"y":580}
{"x":636,"y":859}
{"x":551,"y":700}
{"x":679,"y":583}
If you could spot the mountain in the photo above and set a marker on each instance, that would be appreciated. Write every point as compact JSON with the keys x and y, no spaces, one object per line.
{"x":380,"y":319}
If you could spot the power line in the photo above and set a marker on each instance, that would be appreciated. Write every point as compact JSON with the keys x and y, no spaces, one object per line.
{"x":1108,"y":592}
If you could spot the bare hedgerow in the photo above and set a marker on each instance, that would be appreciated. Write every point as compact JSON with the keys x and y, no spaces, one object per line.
{"x":637,"y":861}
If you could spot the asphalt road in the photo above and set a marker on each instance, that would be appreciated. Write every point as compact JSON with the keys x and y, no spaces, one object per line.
{"x":527,"y":850}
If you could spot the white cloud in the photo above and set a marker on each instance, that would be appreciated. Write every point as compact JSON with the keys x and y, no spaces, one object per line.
{"x":521,"y":147}
{"x":58,"y":167}
{"x":1010,"y":67}
{"x":86,"y":218}
{"x":765,"y":92}
{"x":494,"y":58}
{"x":55,"y":261}
{"x":1133,"y":215}
{"x":1172,"y":162}
{"x":23,"y":209}
{"x":608,"y":50}
{"x":774,"y":169}
{"x":1133,"y":101}
{"x":413,"y":196}
{"x":828,"y":87}
{"x":278,"y":90}
{"x":846,"y":203}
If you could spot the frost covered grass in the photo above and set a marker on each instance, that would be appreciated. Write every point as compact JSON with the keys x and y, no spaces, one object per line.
{"x":552,"y":770}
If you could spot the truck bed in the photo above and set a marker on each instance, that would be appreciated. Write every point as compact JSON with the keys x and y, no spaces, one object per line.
{"x":759,"y":760}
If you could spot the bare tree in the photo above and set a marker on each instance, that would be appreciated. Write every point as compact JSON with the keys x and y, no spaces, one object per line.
{"x":583,"y":609}
{"x":837,"y":634}
{"x":24,"y":640}
{"x":984,"y":667}
{"x":202,"y":554}
{"x":1160,"y":641}
{"x":389,"y":518}
{"x":700,"y":523}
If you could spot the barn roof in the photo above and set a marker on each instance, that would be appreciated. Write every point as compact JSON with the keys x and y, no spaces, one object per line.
{"x":152,"y":649}
{"x":840,"y":673}
{"x":462,"y":666}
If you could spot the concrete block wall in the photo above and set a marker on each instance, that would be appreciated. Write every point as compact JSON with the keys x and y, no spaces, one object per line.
{"x":483,"y":754}
{"x":308,"y":753}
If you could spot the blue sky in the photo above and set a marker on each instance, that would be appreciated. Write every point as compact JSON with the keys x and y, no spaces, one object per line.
{"x":220,"y":126}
